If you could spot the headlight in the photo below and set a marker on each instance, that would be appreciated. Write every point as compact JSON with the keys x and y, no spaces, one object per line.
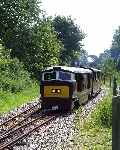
{"x":58,"y":91}
{"x":53,"y":90}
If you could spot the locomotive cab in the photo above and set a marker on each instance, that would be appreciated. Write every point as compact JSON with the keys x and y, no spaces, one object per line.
{"x":57,"y":89}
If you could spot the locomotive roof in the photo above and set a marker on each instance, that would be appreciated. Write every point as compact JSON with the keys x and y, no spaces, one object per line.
{"x":70,"y":69}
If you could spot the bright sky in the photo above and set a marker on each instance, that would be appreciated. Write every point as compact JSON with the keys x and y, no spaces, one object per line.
{"x":97,"y":18}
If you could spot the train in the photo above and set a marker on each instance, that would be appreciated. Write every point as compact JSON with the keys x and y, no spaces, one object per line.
{"x":62,"y":88}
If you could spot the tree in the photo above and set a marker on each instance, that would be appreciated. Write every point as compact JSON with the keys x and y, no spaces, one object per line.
{"x":38,"y":47}
{"x":83,"y":58}
{"x":29,"y":34}
{"x":13,"y":76}
{"x":116,"y":39}
{"x":108,"y":68}
{"x":103,"y":57}
{"x":94,"y":61}
{"x":17,"y":19}
{"x":115,"y":53}
{"x":107,"y":64}
{"x":70,"y":35}
{"x":115,"y":48}
{"x":109,"y":61}
{"x":17,"y":14}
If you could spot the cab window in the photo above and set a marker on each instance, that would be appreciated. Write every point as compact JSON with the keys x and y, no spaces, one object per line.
{"x":64,"y":75}
{"x":50,"y":75}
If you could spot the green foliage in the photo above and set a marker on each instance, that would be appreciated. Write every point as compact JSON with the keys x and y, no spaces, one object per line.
{"x":10,"y":100}
{"x":116,"y":39}
{"x":46,"y":42}
{"x":70,"y":35}
{"x":110,"y":59}
{"x":108,"y":67}
{"x":103,"y":57}
{"x":13,"y":77}
{"x":115,"y":49}
{"x":103,"y":113}
{"x":4,"y":53}
{"x":32,"y":38}
{"x":95,"y":131}
{"x":17,"y":13}
{"x":118,"y":78}
{"x":29,"y":34}
{"x":40,"y":47}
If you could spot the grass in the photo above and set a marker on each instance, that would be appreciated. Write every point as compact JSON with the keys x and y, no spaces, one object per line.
{"x":9,"y":101}
{"x":94,"y":133}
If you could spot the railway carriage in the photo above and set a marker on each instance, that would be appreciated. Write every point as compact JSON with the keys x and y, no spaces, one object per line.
{"x":63,"y":87}
{"x":96,"y":81}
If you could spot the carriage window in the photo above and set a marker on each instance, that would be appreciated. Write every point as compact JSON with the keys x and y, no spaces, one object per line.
{"x":49,"y":75}
{"x":94,"y":76}
{"x":89,"y":81}
{"x":80,"y":82}
{"x":64,"y":75}
{"x":85,"y":81}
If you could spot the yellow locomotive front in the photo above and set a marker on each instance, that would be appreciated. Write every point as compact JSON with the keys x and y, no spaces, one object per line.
{"x":57,"y":89}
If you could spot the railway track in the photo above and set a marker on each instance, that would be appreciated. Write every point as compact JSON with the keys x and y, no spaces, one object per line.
{"x":21,"y":125}
{"x":16,"y":134}
{"x":15,"y":121}
{"x":18,"y":127}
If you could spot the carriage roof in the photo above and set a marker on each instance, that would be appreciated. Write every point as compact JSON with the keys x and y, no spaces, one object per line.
{"x":96,"y":70}
{"x":69,"y":69}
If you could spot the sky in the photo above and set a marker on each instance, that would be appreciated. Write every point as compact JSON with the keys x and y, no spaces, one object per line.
{"x":97,"y":18}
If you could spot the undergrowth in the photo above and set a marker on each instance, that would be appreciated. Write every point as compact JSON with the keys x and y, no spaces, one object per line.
{"x":95,"y":132}
{"x":16,"y":85}
{"x":102,"y":116}
{"x":9,"y":101}
{"x":13,"y":76}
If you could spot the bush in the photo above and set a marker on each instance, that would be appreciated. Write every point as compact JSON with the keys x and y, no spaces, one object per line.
{"x":13,"y":76}
{"x":103,"y":113}
{"x":9,"y":101}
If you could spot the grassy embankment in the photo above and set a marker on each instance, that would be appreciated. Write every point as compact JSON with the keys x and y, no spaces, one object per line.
{"x":95,"y":133}
{"x":16,"y":85}
{"x":10,"y":100}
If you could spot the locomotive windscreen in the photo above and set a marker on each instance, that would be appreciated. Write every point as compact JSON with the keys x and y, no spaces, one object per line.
{"x":64,"y":76}
{"x":50,"y":75}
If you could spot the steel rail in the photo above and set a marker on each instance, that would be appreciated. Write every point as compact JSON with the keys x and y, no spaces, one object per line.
{"x":13,"y":122}
{"x":18,"y":123}
{"x":22,"y":113}
{"x":14,"y":141}
{"x":11,"y":131}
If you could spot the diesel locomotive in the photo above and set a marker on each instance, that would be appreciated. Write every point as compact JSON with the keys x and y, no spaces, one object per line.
{"x":64,"y":87}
